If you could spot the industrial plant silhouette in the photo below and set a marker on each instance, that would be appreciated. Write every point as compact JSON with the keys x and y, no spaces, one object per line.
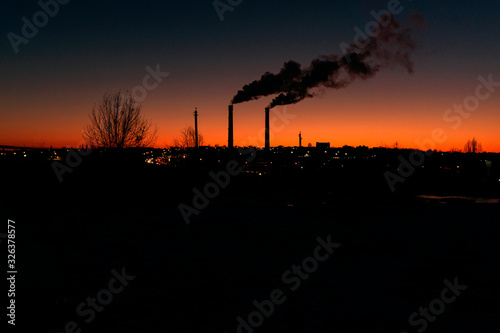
{"x":118,"y":235}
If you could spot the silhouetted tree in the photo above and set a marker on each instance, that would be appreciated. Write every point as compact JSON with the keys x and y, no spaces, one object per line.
{"x":116,"y":122}
{"x":472,"y":146}
{"x":187,"y":138}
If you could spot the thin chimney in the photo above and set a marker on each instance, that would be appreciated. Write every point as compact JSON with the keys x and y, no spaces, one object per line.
{"x":300,"y":139}
{"x":230,"y":128}
{"x":267,"y":128}
{"x":196,"y":127}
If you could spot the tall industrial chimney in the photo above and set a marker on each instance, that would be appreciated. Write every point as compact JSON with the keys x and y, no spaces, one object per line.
{"x":230,"y":128}
{"x":196,"y":127}
{"x":300,"y":139}
{"x":267,"y":128}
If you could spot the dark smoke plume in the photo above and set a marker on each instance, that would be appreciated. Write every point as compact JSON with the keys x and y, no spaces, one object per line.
{"x":391,"y":44}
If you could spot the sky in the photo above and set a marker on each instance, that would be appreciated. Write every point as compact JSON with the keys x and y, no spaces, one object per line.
{"x":48,"y":87}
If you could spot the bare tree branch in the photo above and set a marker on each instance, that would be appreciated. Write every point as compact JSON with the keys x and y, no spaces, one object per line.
{"x":187,"y":138}
{"x":116,"y":122}
{"x":472,"y":146}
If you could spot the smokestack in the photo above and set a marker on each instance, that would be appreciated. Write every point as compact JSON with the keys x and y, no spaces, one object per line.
{"x":300,"y":139}
{"x":196,"y":127}
{"x":267,"y":128}
{"x":230,"y":128}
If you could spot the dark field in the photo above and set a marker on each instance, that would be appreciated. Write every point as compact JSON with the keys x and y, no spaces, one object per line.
{"x":396,"y":250}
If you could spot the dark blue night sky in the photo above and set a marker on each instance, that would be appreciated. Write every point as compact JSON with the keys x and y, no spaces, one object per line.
{"x":91,"y":46}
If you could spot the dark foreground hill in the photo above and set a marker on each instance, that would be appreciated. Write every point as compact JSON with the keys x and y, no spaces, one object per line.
{"x":111,"y":216}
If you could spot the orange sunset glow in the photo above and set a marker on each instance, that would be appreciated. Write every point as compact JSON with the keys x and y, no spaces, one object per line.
{"x":337,"y":116}
{"x":250,"y":166}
